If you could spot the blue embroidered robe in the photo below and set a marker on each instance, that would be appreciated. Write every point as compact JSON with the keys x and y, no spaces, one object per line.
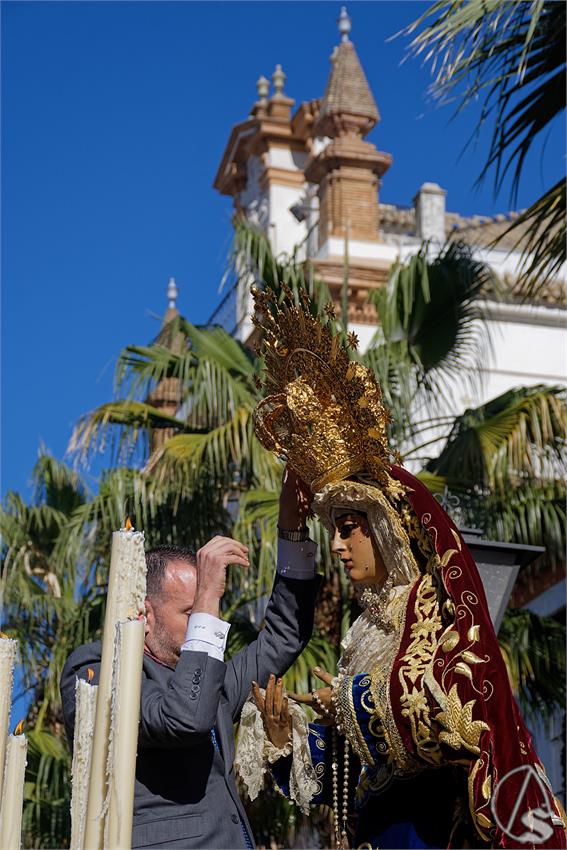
{"x":390,"y":811}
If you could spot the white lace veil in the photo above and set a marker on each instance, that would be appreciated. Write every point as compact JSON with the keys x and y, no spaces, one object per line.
{"x":385,"y":523}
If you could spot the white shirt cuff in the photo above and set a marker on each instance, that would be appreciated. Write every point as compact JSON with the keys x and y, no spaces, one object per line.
{"x":206,"y":633}
{"x":296,"y":560}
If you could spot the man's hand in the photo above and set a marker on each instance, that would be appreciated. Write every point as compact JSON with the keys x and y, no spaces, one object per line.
{"x":295,"y":502}
{"x":274,"y":710}
{"x":320,"y":699}
{"x":212,"y":561}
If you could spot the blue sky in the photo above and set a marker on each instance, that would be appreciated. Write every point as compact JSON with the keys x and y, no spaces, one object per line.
{"x":114,"y":120}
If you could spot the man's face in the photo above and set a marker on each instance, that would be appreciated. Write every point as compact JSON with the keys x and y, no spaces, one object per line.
{"x":168,"y":613}
{"x":355,"y":546}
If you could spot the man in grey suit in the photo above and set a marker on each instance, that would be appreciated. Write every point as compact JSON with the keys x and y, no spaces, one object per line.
{"x":185,"y":792}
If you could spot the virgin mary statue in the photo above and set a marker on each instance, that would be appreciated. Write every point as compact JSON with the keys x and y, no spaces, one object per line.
{"x":420,"y":742}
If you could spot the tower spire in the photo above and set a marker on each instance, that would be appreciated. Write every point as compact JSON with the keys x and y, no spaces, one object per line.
{"x":348,"y":169}
{"x":172,"y":293}
{"x":344,"y":24}
{"x":348,"y":102}
{"x":166,"y":395}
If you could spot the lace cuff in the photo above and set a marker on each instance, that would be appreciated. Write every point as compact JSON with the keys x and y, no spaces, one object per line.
{"x":254,"y":753}
{"x":273,"y":754}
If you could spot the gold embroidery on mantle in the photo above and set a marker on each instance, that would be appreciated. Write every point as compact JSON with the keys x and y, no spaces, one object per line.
{"x":465,"y":658}
{"x":456,"y":655}
{"x":418,"y":656}
{"x":403,"y":761}
{"x":480,"y":819}
{"x":461,"y":729}
{"x":416,"y":530}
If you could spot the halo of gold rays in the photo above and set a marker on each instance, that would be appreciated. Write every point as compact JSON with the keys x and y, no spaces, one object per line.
{"x":323,"y":411}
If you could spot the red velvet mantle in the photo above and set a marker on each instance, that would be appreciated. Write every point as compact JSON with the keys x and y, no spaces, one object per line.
{"x":456,"y":705}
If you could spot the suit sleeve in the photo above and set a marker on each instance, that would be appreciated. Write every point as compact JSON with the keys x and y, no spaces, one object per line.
{"x":179,"y":715}
{"x":287,"y":629}
{"x":183,"y":713}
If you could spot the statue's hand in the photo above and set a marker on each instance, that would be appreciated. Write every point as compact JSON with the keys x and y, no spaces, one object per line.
{"x":320,"y":699}
{"x":274,"y":710}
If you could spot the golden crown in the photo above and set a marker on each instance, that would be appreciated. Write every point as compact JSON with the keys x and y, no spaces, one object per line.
{"x":324,"y":413}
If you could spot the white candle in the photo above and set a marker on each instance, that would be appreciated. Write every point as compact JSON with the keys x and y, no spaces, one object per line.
{"x":8,"y":653}
{"x":126,"y":596}
{"x":124,"y":733}
{"x":85,"y":708}
{"x":13,"y":800}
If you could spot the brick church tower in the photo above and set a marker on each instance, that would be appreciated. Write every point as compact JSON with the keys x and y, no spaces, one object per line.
{"x":310,"y":180}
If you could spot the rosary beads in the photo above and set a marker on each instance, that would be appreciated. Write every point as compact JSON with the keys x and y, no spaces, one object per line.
{"x":341,"y":837}
{"x":344,"y":837}
{"x":335,"y":769}
{"x":323,"y":708}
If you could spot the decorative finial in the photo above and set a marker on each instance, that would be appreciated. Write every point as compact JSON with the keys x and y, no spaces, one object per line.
{"x":172,"y":293}
{"x":344,"y":24}
{"x":278,"y":80}
{"x":263,"y":87}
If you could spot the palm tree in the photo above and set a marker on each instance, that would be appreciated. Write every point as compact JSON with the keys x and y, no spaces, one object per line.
{"x":44,"y":575}
{"x":429,"y":335}
{"x":511,"y":57}
{"x":50,"y":607}
{"x":534,"y":651}
{"x":508,"y":458}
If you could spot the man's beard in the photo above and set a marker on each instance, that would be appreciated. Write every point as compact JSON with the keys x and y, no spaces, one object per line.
{"x":162,"y":645}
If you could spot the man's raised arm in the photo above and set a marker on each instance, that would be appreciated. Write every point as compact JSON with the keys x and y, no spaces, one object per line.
{"x":288,"y":621}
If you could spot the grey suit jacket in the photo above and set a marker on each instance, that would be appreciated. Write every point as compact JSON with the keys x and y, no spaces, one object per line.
{"x":185,"y":793}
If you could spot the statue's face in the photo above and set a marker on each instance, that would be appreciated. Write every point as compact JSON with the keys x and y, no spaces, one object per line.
{"x":354,"y":543}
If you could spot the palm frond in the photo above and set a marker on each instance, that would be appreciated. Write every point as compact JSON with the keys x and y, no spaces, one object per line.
{"x":256,"y":525}
{"x":121,"y":424}
{"x":215,"y":344}
{"x":165,"y":515}
{"x":56,"y":484}
{"x":429,"y":305}
{"x":534,"y":652}
{"x":511,"y":56}
{"x":541,"y":238}
{"x":213,"y":455}
{"x":141,"y":367}
{"x":253,"y":261}
{"x":46,"y":818}
{"x":429,"y":333}
{"x":516,"y":435}
{"x":435,"y":483}
{"x":533,"y":513}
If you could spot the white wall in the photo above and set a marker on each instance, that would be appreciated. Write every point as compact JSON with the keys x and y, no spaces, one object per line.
{"x":286,"y":158}
{"x":530,"y":347}
{"x":284,"y":230}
